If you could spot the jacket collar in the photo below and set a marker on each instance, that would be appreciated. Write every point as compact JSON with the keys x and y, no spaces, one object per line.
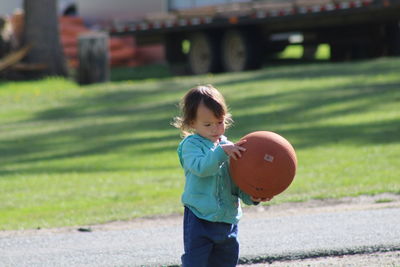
{"x":223,"y":139}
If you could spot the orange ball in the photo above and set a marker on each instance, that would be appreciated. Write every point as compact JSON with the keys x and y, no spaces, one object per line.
{"x":267,"y":167}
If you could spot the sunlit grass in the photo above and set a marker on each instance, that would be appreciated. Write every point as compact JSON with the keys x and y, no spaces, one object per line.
{"x":73,"y":155}
{"x":296,"y":51}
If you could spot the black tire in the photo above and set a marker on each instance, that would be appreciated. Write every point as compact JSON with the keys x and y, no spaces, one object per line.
{"x":204,"y":56}
{"x":177,"y":60}
{"x":241,"y":51}
{"x":309,"y":52}
{"x":340,"y":52}
{"x":393,"y":38}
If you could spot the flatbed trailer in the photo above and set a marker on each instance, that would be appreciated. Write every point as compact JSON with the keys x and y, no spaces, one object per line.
{"x":239,"y":36}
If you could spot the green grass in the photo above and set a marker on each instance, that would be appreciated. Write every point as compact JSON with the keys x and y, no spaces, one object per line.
{"x":140,"y":73}
{"x":73,"y":155}
{"x":296,"y":52}
{"x":384,"y":200}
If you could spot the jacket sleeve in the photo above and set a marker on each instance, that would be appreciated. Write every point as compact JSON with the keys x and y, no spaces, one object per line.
{"x":202,"y":162}
{"x":246,"y":198}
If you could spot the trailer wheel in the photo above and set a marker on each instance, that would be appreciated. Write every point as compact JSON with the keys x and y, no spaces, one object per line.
{"x":174,"y":55}
{"x":393,"y":38}
{"x":340,"y":52}
{"x":204,"y":53}
{"x":240,"y":50}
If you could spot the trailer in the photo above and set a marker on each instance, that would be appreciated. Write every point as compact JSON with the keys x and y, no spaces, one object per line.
{"x":240,"y":35}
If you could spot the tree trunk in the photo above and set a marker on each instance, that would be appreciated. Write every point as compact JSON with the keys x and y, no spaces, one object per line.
{"x":41,"y":30}
{"x":93,"y":58}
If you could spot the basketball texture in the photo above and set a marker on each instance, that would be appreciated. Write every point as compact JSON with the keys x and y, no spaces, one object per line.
{"x":267,"y":167}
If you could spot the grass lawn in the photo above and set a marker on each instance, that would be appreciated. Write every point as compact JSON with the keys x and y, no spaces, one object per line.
{"x":73,"y":155}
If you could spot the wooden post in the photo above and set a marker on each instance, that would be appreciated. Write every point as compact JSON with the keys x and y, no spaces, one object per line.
{"x":93,"y":58}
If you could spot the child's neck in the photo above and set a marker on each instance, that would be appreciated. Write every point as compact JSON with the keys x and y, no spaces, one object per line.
{"x":217,"y":142}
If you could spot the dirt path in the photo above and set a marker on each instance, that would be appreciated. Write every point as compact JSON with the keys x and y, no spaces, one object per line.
{"x":345,"y":226}
{"x":382,"y":259}
{"x":365,"y":202}
{"x":378,"y":259}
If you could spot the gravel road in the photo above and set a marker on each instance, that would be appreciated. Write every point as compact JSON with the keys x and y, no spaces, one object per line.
{"x":381,"y":259}
{"x":312,"y":233}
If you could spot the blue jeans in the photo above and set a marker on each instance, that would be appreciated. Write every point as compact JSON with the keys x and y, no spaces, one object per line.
{"x":209,"y":244}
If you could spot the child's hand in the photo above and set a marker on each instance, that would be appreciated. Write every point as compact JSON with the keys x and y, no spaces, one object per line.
{"x":234,"y":150}
{"x":260,"y":199}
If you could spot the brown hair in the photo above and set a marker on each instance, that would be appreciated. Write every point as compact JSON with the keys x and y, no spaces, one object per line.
{"x":207,"y":95}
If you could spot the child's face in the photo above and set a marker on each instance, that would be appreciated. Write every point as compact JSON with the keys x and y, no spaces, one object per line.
{"x":207,"y":125}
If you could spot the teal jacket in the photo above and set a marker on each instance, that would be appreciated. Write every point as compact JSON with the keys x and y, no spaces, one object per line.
{"x":209,"y":190}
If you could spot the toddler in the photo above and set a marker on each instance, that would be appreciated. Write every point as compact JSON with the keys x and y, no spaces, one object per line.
{"x":211,"y":199}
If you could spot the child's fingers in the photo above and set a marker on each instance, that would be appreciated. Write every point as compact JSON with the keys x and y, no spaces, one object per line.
{"x":234,"y":156}
{"x":238,"y":153}
{"x":241,"y":142}
{"x":235,"y":152}
{"x":241,"y":148}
